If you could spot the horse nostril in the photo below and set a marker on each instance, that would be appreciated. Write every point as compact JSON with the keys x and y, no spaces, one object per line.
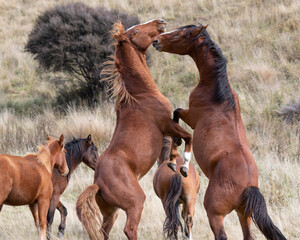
{"x":155,"y":41}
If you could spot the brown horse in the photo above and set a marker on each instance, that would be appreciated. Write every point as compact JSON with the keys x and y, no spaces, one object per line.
{"x":143,"y":118}
{"x":77,"y":151}
{"x":220,"y":144}
{"x":173,"y":190}
{"x":27,"y":180}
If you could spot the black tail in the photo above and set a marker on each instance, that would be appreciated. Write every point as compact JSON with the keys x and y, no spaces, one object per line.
{"x":171,"y":204}
{"x":255,"y":206}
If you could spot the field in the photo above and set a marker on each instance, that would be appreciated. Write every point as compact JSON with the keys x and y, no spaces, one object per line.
{"x":261,"y":42}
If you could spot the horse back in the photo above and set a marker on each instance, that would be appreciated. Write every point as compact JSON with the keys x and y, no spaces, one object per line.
{"x":27,"y":179}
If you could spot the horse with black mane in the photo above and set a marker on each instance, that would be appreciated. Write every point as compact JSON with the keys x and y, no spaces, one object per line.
{"x":220,"y":144}
{"x":175,"y":190}
{"x":77,"y":151}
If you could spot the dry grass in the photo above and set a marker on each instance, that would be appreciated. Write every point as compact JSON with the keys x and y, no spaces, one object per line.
{"x":261,"y":42}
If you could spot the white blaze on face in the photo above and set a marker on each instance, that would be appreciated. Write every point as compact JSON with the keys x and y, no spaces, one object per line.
{"x":140,"y":24}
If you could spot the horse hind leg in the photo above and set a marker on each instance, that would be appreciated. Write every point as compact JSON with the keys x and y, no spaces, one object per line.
{"x":109,"y":214}
{"x":245,"y":222}
{"x":63,"y":215}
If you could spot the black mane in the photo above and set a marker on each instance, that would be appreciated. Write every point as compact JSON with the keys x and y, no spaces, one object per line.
{"x":74,"y":150}
{"x":223,"y":91}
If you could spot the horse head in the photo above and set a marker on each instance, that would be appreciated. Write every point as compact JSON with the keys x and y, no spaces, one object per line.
{"x":179,"y":41}
{"x":90,"y":152}
{"x":58,"y":158}
{"x":142,"y":35}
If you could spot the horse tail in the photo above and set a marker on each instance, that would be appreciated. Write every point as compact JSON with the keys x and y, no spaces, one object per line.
{"x":171,"y":205}
{"x":88,"y":212}
{"x":255,"y":206}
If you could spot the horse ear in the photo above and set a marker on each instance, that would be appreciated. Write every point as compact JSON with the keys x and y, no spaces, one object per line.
{"x":204,"y":27}
{"x":89,"y":139}
{"x":61,"y":139}
{"x":118,"y":32}
{"x":48,"y":137}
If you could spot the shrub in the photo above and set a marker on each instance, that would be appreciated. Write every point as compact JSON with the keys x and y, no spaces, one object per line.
{"x":75,"y":39}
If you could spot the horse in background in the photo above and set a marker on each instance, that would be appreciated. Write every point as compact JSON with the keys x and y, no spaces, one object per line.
{"x":220,"y":145}
{"x":27,"y":180}
{"x":143,"y":118}
{"x":174,"y":190}
{"x":77,"y":151}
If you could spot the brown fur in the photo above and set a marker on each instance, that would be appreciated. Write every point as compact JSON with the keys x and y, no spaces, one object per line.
{"x":138,"y":135}
{"x":187,"y":194}
{"x":220,"y":145}
{"x":27,"y":181}
{"x":77,"y":151}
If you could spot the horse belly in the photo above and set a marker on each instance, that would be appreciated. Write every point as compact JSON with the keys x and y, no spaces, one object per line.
{"x":25,"y":188}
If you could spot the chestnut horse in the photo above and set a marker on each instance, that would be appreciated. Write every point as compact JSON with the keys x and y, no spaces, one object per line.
{"x":77,"y":151}
{"x":143,"y":118}
{"x":220,"y":144}
{"x":173,"y":190}
{"x":27,"y":180}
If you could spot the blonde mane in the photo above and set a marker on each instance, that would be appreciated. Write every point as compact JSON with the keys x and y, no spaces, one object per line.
{"x":112,"y":74}
{"x":44,"y":157}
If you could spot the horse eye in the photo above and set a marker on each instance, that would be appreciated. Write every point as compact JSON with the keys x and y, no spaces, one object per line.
{"x":137,"y":31}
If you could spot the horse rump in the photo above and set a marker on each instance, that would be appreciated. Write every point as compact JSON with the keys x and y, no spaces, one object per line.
{"x":255,"y":206}
{"x":88,"y":212}
{"x":171,"y":205}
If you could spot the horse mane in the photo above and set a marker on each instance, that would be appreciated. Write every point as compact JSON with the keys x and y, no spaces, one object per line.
{"x":44,"y":156}
{"x":73,"y":149}
{"x":111,"y":71}
{"x":223,"y":91}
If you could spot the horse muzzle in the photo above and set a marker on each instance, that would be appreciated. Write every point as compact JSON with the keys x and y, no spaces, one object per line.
{"x":156,"y":45}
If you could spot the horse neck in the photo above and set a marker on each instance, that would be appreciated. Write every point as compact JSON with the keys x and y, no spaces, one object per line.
{"x":134,"y":70}
{"x":207,"y":68}
{"x":73,"y":162}
{"x":213,"y":86}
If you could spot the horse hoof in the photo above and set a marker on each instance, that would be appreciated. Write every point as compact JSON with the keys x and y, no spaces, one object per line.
{"x":60,"y":234}
{"x":184,"y":171}
{"x":177,"y":141}
{"x":172,"y":166}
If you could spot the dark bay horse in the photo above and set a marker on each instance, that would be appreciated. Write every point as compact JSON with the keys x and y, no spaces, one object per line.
{"x":27,"y":180}
{"x":174,"y":190}
{"x":77,"y":151}
{"x":220,"y":144}
{"x":143,"y":118}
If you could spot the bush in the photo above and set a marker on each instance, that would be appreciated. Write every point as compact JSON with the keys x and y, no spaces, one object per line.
{"x":75,"y":39}
{"x":290,"y":112}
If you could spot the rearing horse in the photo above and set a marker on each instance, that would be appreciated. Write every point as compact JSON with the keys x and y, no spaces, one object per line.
{"x":220,"y":144}
{"x":143,"y":118}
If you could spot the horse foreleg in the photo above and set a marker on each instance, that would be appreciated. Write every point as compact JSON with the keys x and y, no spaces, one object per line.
{"x":1,"y":205}
{"x":175,"y":130}
{"x":35,"y":213}
{"x":43,"y":206}
{"x":50,"y":215}
{"x":63,"y":215}
{"x":245,"y":222}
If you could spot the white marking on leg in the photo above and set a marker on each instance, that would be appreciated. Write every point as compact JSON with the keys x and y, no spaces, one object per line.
{"x":186,"y":159}
{"x":190,"y":237}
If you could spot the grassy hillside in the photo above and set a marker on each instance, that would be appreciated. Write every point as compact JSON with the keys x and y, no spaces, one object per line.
{"x":262,"y":44}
